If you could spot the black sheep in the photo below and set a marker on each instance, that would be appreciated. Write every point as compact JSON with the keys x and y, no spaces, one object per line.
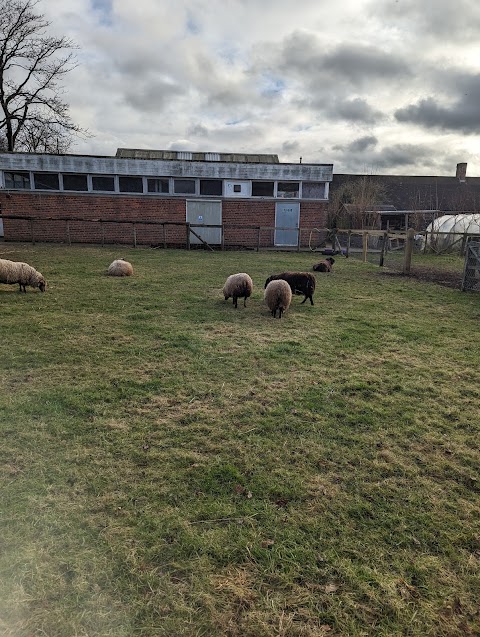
{"x":299,"y":282}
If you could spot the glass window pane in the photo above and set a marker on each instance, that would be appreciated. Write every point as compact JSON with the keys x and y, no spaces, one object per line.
{"x":75,"y":182}
{"x":130,"y":184}
{"x":262,"y":188}
{"x":211,"y":187}
{"x":313,"y":190}
{"x":158,"y":185}
{"x":287,"y":189}
{"x":184,"y":186}
{"x":103,"y":183}
{"x":20,"y":181}
{"x":46,"y":181}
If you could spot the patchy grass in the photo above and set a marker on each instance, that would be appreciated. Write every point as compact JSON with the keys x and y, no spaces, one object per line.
{"x":172,"y":466}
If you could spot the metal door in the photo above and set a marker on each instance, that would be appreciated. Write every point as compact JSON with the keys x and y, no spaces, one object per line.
{"x":205,"y":213}
{"x":287,"y":215}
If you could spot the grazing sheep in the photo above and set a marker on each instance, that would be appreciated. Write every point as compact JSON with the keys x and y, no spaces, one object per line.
{"x":12,"y":272}
{"x":324,"y":266}
{"x":238,"y":286}
{"x":300,"y":283}
{"x":278,"y":296}
{"x":120,"y":267}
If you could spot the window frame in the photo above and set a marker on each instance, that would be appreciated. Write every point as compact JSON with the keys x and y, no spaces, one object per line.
{"x":25,"y":174}
{"x":266,"y":181}
{"x":104,"y":177}
{"x":43,"y":175}
{"x":186,"y":179}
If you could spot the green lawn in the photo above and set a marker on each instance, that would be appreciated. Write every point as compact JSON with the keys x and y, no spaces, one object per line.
{"x":173,"y":467}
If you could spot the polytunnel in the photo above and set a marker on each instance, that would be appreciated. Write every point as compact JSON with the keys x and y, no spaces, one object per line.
{"x":457,"y":226}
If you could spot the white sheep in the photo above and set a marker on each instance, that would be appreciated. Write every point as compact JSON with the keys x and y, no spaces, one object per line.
{"x":12,"y":272}
{"x":120,"y":267}
{"x":238,"y":286}
{"x":278,"y":296}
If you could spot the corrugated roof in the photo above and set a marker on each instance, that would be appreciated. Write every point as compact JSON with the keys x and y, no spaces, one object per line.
{"x":239,"y":158}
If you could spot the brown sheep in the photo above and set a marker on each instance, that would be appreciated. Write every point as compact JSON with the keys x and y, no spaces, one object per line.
{"x":324,"y":266}
{"x":278,"y":296}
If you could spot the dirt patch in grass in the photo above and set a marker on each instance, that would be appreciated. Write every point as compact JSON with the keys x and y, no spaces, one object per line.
{"x":426,"y":274}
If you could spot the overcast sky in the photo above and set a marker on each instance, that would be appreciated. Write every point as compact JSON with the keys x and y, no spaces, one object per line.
{"x":374,"y":86}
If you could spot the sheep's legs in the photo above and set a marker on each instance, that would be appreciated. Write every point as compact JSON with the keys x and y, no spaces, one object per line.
{"x":309,"y":296}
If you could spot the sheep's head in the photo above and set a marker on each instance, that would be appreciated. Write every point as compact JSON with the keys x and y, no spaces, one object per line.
{"x":270,"y":278}
{"x":331,"y":260}
{"x":42,"y":284}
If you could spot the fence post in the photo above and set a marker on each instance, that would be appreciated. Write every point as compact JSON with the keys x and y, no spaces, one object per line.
{"x":407,"y":261}
{"x":68,"y":232}
{"x":365,"y":246}
{"x":165,"y":236}
{"x":349,"y":238}
{"x":258,"y":239}
{"x":384,"y":246}
{"x":134,"y":235}
{"x":187,"y":226}
{"x":103,"y":233}
{"x":32,"y":232}
{"x":222,"y":239}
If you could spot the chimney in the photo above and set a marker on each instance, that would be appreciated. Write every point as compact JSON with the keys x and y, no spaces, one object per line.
{"x":461,"y":173}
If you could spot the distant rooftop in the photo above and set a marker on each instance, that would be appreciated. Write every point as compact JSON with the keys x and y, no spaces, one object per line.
{"x":239,"y":158}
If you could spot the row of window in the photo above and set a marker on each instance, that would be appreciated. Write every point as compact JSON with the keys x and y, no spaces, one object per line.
{"x":163,"y":185}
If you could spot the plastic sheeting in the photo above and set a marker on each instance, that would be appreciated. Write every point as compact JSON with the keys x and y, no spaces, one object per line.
{"x":457,"y":225}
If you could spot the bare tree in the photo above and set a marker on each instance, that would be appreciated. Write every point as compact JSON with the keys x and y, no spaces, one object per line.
{"x":355,"y":203}
{"x":33,"y":115}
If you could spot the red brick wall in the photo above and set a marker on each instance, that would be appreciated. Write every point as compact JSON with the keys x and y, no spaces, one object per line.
{"x":51,"y":206}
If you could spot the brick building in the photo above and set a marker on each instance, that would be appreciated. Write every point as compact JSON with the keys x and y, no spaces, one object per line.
{"x":255,"y":199}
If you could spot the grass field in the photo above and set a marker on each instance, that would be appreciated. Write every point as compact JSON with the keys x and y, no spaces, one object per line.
{"x":172,"y":466}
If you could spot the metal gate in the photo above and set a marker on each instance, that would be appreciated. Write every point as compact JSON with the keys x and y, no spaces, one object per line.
{"x":287,"y":215}
{"x":205,"y":213}
{"x":471,"y":272}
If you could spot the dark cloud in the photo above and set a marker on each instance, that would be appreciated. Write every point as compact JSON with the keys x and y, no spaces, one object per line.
{"x":354,"y":64}
{"x":362,"y":143}
{"x":461,"y":115}
{"x":362,"y":156}
{"x":152,"y":96}
{"x":362,"y":63}
{"x":353,"y":110}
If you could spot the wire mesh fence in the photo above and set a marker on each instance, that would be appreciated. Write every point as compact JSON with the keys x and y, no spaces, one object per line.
{"x":471,"y":271}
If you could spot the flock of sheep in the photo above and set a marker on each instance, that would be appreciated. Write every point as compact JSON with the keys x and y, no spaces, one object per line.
{"x":278,"y":287}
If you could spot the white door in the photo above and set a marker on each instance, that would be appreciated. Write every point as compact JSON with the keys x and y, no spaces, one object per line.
{"x":201,"y":213}
{"x":287,"y":218}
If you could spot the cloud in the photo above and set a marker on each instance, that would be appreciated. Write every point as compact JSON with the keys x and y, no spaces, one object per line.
{"x":198,"y":130}
{"x":462,"y":114}
{"x":152,"y":94}
{"x":356,"y":65}
{"x":459,"y":20}
{"x":361,"y":144}
{"x":353,"y":110}
{"x":364,"y":156}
